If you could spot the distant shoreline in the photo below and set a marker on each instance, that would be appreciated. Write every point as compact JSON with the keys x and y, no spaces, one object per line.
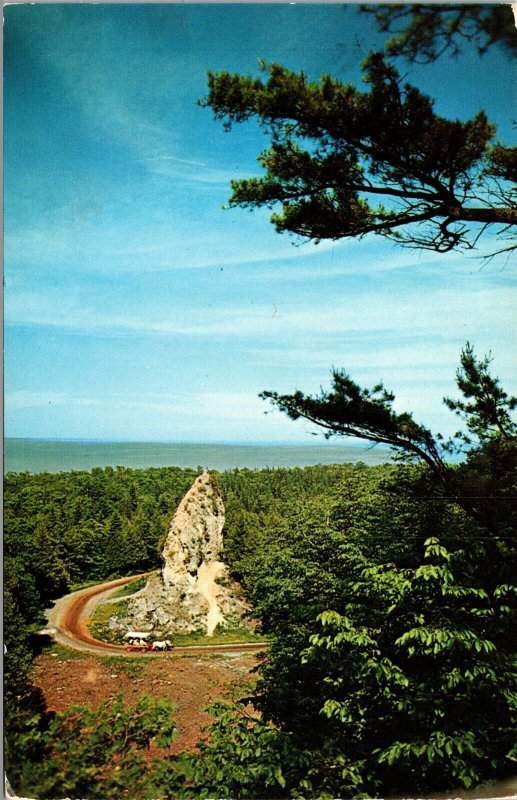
{"x":64,"y":455}
{"x":321,"y":442}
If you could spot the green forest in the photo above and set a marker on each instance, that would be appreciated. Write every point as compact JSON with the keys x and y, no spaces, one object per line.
{"x":386,"y":592}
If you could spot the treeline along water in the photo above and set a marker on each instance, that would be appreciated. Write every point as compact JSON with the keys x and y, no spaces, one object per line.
{"x":43,"y":455}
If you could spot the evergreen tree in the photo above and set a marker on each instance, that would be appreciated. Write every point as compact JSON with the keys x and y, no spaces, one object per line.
{"x":423,"y":32}
{"x":486,"y":407}
{"x":349,"y":410}
{"x":345,"y":163}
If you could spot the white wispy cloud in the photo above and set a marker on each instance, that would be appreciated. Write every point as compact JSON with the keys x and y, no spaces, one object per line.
{"x":110,"y":108}
{"x":24,"y":398}
{"x":442,"y":314}
{"x":94,"y":240}
{"x":187,"y":161}
{"x":192,"y":171}
{"x":237,"y":407}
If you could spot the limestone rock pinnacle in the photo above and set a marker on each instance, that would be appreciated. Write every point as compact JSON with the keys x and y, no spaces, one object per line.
{"x":193,"y":592}
{"x":195,"y":534}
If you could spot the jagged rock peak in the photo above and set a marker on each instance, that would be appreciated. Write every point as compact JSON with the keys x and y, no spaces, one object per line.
{"x":194,"y":591}
{"x":195,"y":534}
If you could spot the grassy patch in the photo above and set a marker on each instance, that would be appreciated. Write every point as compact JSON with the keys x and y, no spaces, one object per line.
{"x":131,"y":667}
{"x":63,"y":653}
{"x":75,"y":587}
{"x":130,"y":588}
{"x":121,"y":592}
{"x":98,"y":623}
{"x":236,"y":635}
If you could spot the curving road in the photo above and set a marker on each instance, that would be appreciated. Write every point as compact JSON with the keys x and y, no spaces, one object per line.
{"x":68,"y":617}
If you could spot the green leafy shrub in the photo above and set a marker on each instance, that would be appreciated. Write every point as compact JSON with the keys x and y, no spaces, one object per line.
{"x":99,"y":754}
{"x":244,"y":758}
{"x":419,"y":680}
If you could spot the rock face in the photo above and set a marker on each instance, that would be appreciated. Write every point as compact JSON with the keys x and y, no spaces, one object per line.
{"x":196,"y":533}
{"x":192,"y":591}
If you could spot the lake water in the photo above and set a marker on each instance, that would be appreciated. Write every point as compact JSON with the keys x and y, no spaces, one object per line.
{"x":41,"y":455}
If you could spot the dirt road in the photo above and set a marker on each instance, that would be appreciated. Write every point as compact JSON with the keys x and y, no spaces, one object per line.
{"x":68,"y":617}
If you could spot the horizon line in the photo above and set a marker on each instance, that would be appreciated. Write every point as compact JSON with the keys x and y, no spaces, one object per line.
{"x":80,"y":440}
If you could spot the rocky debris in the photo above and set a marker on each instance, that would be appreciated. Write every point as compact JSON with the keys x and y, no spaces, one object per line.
{"x":192,"y":592}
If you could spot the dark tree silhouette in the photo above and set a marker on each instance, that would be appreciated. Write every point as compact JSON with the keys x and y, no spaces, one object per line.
{"x":423,"y":32}
{"x":349,"y":410}
{"x":486,"y":406}
{"x":345,"y":163}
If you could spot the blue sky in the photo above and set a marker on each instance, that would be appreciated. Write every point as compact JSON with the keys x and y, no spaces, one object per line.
{"x":135,"y":306}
